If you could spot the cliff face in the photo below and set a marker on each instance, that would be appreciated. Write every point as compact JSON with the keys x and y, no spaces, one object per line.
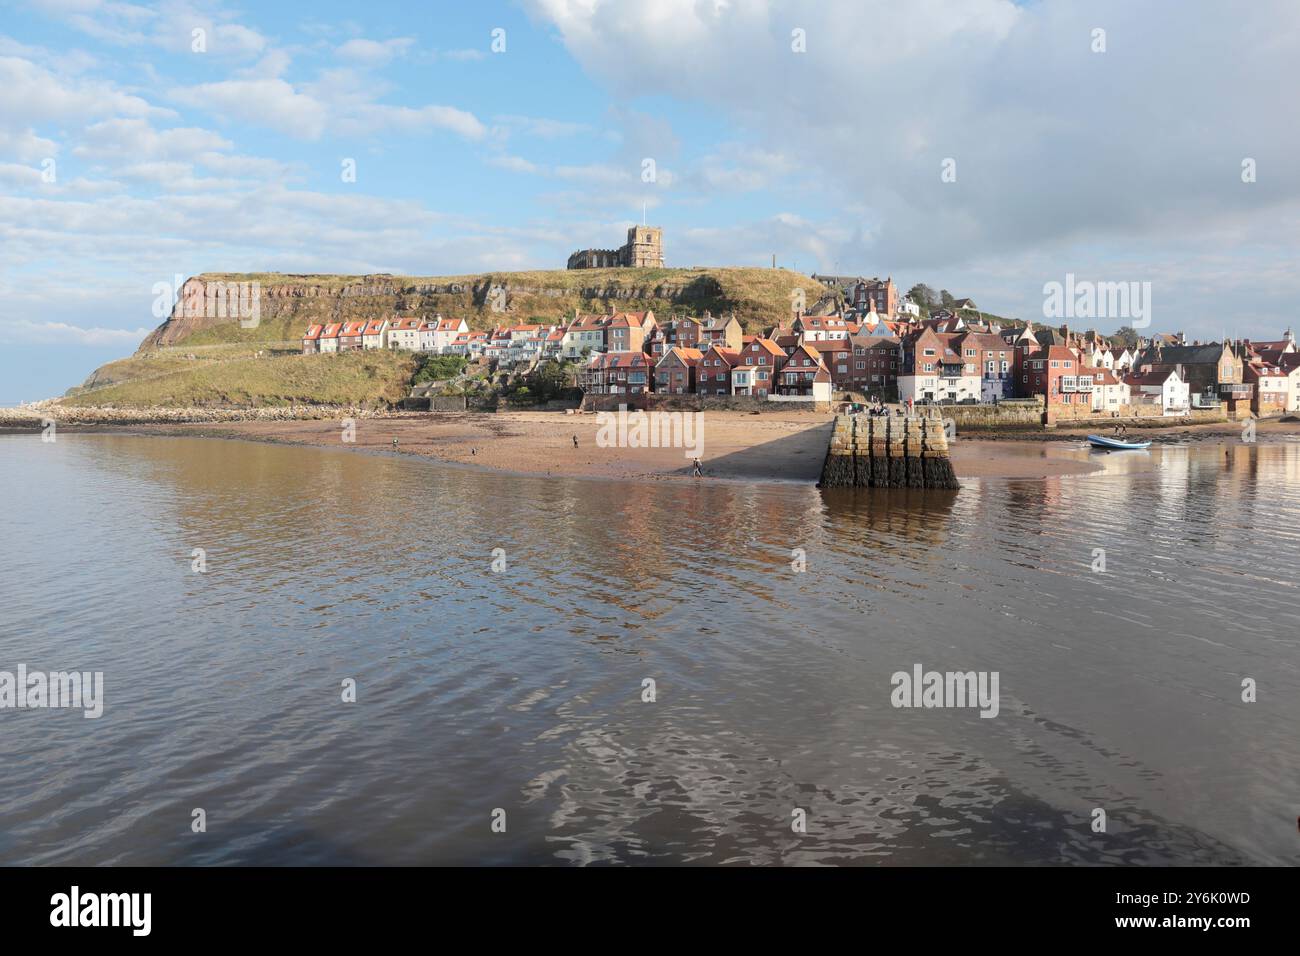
{"x":219,"y":308}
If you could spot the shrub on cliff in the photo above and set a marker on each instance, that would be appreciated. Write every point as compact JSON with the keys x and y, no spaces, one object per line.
{"x":438,"y":368}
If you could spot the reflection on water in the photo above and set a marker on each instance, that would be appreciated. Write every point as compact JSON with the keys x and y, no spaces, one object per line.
{"x":523,"y":690}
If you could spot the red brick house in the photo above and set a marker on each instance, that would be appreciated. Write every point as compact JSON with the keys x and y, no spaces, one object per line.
{"x":804,"y":373}
{"x":1270,"y":389}
{"x":626,"y":331}
{"x":678,"y":332}
{"x":350,"y":336}
{"x":714,"y":375}
{"x":874,"y":368}
{"x":311,"y":339}
{"x":1059,"y":374}
{"x":755,"y":372}
{"x":617,"y":373}
{"x":837,"y":354}
{"x":675,"y":373}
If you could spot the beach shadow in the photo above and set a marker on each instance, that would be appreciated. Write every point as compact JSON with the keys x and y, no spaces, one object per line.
{"x":796,"y":457}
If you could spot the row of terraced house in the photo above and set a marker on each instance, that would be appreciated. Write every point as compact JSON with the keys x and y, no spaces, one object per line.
{"x":437,"y":336}
{"x":947,"y":358}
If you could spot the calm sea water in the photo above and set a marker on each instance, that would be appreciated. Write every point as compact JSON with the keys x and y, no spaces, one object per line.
{"x":522,"y":690}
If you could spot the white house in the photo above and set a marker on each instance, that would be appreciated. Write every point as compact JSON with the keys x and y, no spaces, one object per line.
{"x":438,"y":333}
{"x":586,"y":333}
{"x":375,"y":335}
{"x":1099,"y":356}
{"x":329,"y":337}
{"x":1170,"y":391}
{"x":1108,"y":391}
{"x":819,"y":328}
{"x":937,"y":386}
{"x":1290,"y":363}
{"x":554,"y":343}
{"x":404,"y":334}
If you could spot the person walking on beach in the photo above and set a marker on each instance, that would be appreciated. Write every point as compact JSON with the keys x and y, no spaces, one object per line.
{"x":575,"y":441}
{"x":696,"y":471}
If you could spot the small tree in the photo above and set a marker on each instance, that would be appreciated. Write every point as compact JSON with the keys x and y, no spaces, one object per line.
{"x":922,"y":295}
{"x":1126,"y":336}
{"x":552,"y":380}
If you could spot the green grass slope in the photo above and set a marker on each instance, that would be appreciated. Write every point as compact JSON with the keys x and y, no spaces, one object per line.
{"x":239,"y":377}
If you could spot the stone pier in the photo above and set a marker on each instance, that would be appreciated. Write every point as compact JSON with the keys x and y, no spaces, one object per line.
{"x":888,"y":452}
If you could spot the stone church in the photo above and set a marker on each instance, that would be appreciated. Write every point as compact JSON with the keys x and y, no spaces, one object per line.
{"x":644,"y":249}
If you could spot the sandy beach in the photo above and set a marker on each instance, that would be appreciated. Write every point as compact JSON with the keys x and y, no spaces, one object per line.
{"x":785,"y":446}
{"x":736,"y":445}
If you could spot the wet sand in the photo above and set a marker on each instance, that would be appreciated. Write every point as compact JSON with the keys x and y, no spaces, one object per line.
{"x":787,"y":446}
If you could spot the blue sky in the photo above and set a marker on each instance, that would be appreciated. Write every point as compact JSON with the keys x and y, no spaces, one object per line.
{"x":1122,"y":164}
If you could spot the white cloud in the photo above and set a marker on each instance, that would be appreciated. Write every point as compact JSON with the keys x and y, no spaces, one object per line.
{"x":168,"y":25}
{"x":542,"y":127}
{"x":374,"y":52}
{"x":340,"y":102}
{"x":136,"y":138}
{"x":27,"y":332}
{"x":270,"y":102}
{"x":31,"y":94}
{"x":1059,"y":150}
{"x":25,"y":146}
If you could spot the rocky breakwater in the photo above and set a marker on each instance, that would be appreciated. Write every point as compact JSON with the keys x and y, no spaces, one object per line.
{"x":868,"y":451}
{"x":38,"y":415}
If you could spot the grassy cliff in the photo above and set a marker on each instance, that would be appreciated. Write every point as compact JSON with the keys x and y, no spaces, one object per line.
{"x":289,"y":303}
{"x":199,"y":359}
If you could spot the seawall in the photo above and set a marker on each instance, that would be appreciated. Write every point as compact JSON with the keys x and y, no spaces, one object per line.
{"x":868,"y":451}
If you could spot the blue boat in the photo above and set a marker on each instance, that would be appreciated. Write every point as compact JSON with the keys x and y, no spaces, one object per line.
{"x":1114,"y":444}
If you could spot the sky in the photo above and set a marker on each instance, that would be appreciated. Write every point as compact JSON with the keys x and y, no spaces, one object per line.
{"x":981,"y":146}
